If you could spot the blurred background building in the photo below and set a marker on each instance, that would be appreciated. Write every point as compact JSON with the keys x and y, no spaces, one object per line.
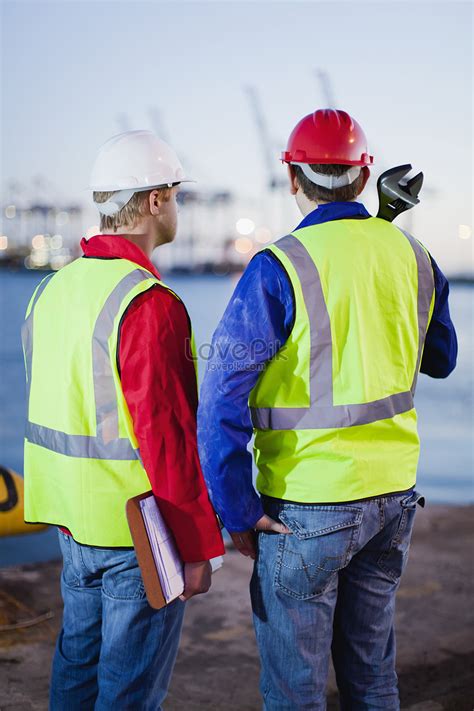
{"x":224,"y":86}
{"x":224,"y":83}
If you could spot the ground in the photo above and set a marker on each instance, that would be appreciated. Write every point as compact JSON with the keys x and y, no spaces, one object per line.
{"x":217,"y":666}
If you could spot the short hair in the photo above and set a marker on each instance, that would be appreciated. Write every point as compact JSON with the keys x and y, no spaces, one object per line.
{"x":317,"y":192}
{"x":130,"y":213}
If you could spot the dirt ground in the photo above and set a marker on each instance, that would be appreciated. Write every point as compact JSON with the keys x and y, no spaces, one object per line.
{"x":218,"y":667}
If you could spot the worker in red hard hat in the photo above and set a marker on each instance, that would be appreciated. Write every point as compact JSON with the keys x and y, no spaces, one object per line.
{"x":317,"y":355}
{"x":328,"y":150}
{"x":330,"y":137}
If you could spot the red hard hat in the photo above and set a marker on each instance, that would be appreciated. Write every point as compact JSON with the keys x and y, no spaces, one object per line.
{"x":327,"y":136}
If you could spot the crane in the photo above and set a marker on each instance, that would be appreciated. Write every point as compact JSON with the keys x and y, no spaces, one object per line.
{"x":123,"y":122}
{"x":327,"y":91}
{"x":156,"y":118}
{"x":325,"y":83}
{"x":274,"y":183}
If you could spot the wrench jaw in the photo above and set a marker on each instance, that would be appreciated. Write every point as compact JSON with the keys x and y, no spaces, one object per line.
{"x":396,"y":195}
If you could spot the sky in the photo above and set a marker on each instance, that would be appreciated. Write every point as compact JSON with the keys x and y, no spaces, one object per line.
{"x":402,"y":69}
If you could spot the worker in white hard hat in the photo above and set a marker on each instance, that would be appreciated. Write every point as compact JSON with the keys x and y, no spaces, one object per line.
{"x":112,"y":412}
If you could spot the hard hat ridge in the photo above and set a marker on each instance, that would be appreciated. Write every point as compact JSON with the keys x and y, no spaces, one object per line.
{"x":327,"y":136}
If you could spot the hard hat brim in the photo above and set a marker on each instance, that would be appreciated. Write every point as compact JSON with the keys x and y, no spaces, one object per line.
{"x":301,"y":157}
{"x":137,"y":188}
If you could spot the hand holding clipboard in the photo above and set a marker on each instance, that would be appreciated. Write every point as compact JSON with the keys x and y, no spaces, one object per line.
{"x":160,"y":564}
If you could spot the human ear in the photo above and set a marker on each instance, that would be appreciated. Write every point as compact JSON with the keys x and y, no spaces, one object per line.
{"x":294,"y":186}
{"x":365,"y":177}
{"x":154,"y":202}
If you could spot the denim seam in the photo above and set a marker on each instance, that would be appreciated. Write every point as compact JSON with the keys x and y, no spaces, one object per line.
{"x":395,"y":541}
{"x":304,"y":534}
{"x":350,"y":550}
{"x":82,"y":561}
{"x":299,"y":596}
{"x":256,"y":574}
{"x":320,"y":507}
{"x":78,"y":586}
{"x":401,"y":528}
{"x":382,"y":514}
{"x":313,"y":565}
{"x":279,"y":556}
{"x":138,"y":595}
{"x":351,"y":546}
{"x":353,"y":543}
{"x":393,"y":576}
{"x":68,"y":563}
{"x":74,"y":582}
{"x":411,"y":501}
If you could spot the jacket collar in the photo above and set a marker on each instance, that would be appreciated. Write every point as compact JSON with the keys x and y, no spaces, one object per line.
{"x":333,"y":211}
{"x":117,"y":247}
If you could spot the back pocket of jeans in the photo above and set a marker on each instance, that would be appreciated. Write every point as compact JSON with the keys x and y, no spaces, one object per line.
{"x":122,"y":586}
{"x":321,"y":541}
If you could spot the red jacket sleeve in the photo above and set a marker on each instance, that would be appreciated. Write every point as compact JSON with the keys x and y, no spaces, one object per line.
{"x":159,"y":384}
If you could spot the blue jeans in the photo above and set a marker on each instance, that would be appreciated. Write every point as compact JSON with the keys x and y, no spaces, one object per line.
{"x":114,"y":651}
{"x":330,"y":586}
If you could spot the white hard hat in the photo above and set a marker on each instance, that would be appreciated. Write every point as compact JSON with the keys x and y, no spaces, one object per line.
{"x":132,"y":162}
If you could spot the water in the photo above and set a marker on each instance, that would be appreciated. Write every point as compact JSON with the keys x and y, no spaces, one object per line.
{"x":444,"y":406}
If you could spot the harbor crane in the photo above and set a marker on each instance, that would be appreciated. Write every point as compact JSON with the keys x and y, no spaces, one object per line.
{"x":274,"y":183}
{"x":326,"y":86}
{"x":325,"y":83}
{"x":156,"y":118}
{"x":123,"y":122}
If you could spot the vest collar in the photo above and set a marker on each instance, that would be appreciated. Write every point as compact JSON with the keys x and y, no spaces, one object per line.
{"x":116,"y":247}
{"x":333,"y":211}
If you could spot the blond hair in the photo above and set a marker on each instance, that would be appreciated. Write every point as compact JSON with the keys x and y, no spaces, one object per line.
{"x":130,"y":213}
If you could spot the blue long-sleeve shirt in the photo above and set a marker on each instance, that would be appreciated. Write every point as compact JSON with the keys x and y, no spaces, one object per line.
{"x":255,"y":325}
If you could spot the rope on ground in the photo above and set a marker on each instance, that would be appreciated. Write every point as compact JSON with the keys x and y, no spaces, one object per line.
{"x":27,"y":623}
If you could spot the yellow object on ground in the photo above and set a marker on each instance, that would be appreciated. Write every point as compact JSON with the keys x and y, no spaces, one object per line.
{"x":11,"y":506}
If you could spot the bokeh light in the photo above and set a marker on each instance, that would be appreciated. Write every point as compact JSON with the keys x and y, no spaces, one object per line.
{"x":56,"y":242}
{"x":263,"y":235}
{"x":245,"y":226}
{"x":38,"y":242}
{"x":243,"y":245}
{"x":464,"y":232}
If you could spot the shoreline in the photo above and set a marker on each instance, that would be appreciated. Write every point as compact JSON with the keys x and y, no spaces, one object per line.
{"x":218,"y":665}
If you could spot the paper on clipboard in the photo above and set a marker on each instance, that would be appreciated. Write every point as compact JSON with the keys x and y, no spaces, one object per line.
{"x":168,"y":563}
{"x":166,"y":556}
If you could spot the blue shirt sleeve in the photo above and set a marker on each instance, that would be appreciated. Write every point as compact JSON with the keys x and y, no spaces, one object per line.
{"x":441,"y":346}
{"x":255,"y":325}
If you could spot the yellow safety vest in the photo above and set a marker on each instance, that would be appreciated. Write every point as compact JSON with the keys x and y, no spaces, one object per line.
{"x":333,"y":411}
{"x":82,"y":461}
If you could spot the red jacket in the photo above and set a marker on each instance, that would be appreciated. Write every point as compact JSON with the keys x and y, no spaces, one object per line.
{"x":159,"y":385}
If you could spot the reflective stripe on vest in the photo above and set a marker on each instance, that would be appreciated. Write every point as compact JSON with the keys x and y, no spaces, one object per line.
{"x":322,"y":413}
{"x":106,"y":444}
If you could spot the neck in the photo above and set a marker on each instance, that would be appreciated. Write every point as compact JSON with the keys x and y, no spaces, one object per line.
{"x":306,"y":206}
{"x":309,"y":207}
{"x":144,"y":238}
{"x":145,"y":242}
